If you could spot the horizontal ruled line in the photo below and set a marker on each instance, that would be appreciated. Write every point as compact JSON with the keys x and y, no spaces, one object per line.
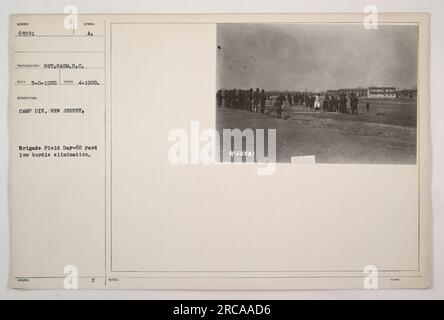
{"x":42,"y":68}
{"x":60,"y":84}
{"x":60,"y":36}
{"x":58,"y":51}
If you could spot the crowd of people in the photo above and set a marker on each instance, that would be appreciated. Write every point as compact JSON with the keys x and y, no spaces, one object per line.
{"x":256,"y":100}
{"x":333,"y":103}
{"x":243,"y":99}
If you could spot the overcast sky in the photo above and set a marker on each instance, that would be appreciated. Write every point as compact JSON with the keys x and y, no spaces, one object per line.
{"x":316,"y":57}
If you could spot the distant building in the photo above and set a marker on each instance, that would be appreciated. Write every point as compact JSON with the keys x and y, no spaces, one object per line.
{"x":373,"y":92}
{"x":407,"y":93}
{"x":332,"y":92}
{"x":361,"y":92}
{"x":381,"y":92}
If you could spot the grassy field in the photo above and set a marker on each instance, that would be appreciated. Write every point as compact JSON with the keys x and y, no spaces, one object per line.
{"x":385,"y":134}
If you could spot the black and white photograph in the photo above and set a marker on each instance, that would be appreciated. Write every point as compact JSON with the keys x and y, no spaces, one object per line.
{"x":239,"y":154}
{"x":334,"y":93}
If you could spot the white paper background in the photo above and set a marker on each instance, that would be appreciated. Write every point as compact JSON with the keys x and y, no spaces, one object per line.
{"x":436,"y":7}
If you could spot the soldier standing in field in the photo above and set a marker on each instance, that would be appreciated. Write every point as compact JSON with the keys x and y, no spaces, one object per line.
{"x":241,"y":98}
{"x":247,"y":101}
{"x":333,"y":103}
{"x":354,"y":103}
{"x":317,"y":103}
{"x":219,"y":98}
{"x":237,"y":98}
{"x":326,"y":103}
{"x":256,"y":100}
{"x":278,"y":106}
{"x":250,"y":100}
{"x":232,"y":96}
{"x":262,"y":100}
{"x":342,"y":103}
